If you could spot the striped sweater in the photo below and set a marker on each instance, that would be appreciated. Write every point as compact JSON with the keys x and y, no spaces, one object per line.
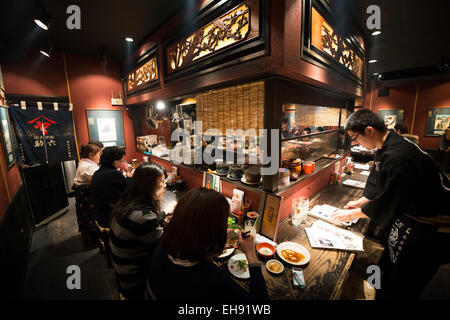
{"x":133,"y":241}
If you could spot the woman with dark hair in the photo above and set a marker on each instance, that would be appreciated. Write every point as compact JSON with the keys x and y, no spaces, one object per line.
{"x":88,"y":165}
{"x":108,"y":183}
{"x":136,"y":227}
{"x":181,"y":267}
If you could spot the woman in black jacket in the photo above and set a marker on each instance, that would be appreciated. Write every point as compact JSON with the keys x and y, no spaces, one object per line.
{"x":182,"y":268}
{"x":107,"y":184}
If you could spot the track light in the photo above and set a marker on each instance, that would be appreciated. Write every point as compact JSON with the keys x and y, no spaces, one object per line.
{"x":43,"y":19}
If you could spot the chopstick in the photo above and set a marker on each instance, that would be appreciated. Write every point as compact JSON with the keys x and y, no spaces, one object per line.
{"x":245,"y":234}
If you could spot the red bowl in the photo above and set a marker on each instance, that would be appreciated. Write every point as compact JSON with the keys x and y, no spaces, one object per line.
{"x":265,"y":249}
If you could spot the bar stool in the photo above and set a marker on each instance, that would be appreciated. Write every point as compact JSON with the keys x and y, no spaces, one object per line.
{"x":103,"y":242}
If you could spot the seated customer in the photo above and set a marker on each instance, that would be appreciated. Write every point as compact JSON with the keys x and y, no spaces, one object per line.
{"x":182,"y":267}
{"x":136,"y":227}
{"x":108,"y":183}
{"x":402,"y":130}
{"x":90,"y":156}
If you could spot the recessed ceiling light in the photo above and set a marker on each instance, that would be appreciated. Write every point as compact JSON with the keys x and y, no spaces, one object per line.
{"x":44,"y":53}
{"x":43,"y":19}
{"x":41,"y":24}
{"x":373,"y":61}
{"x":46,"y":50}
{"x":128,"y":39}
{"x":375,"y":33}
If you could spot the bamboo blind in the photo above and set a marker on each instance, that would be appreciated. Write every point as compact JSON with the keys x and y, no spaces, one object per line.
{"x":238,"y":107}
{"x":318,"y":116}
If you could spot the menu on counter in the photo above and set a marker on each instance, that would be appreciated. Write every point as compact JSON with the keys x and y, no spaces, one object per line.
{"x":361,"y":166}
{"x":325,"y":211}
{"x":326,"y":236}
{"x":354,"y":183}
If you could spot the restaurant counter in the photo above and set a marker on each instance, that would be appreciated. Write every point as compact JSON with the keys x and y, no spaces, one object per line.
{"x":326,"y":271}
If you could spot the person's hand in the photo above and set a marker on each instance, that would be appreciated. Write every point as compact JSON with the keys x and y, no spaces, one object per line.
{"x":248,"y":246}
{"x":130,"y":173}
{"x":352,"y":205}
{"x":347,"y":215}
{"x":171,"y":207}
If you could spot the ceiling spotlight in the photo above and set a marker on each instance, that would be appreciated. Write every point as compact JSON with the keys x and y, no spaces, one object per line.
{"x":373,"y":61}
{"x":46,"y":51}
{"x":128,"y":39}
{"x":43,"y":19}
{"x":160,"y":105}
{"x":375,"y":33}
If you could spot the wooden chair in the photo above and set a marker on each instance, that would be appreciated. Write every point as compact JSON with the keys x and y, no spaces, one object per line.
{"x":103,"y":242}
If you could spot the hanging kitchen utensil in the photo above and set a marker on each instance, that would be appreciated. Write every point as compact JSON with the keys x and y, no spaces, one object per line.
{"x":150,"y":121}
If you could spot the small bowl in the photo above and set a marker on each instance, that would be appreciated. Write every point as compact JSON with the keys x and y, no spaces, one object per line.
{"x":265,"y":249}
{"x":275,"y":262}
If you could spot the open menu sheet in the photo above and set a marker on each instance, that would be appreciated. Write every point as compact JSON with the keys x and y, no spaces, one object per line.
{"x":326,"y":236}
{"x":354,"y":183}
{"x":325,"y":211}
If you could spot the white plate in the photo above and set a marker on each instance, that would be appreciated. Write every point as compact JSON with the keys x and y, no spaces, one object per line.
{"x":226,"y":253}
{"x":295,"y":247}
{"x":233,"y":266}
{"x":250,"y":183}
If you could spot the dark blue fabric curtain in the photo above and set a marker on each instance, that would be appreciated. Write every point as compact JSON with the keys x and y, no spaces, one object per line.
{"x":44,"y":132}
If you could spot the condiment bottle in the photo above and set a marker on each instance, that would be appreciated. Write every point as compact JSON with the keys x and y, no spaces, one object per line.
{"x":241,"y":219}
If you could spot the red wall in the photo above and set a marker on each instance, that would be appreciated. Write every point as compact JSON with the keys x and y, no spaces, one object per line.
{"x":90,"y":82}
{"x":430,"y":95}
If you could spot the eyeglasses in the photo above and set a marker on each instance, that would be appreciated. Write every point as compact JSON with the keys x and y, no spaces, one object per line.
{"x":356,"y":137}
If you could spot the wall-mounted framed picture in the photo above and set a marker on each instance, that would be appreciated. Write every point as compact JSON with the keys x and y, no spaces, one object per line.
{"x":270,"y":216}
{"x":6,"y":137}
{"x":106,"y":126}
{"x":392,"y":117}
{"x":438,"y":119}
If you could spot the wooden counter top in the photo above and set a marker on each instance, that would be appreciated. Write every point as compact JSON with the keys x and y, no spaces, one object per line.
{"x":327,"y":269}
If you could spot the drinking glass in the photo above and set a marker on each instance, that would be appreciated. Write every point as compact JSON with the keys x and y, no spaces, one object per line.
{"x":304,"y":208}
{"x":250,"y":225}
{"x":300,"y":207}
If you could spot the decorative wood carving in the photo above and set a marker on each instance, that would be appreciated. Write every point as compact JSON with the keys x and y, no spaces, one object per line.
{"x":231,"y":28}
{"x":327,"y":40}
{"x":143,"y":75}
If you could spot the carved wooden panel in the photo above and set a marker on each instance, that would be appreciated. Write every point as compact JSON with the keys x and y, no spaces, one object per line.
{"x":143,"y":75}
{"x":229,"y":29}
{"x":324,"y":38}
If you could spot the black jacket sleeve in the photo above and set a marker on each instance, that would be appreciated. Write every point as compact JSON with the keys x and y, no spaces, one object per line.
{"x":370,"y":191}
{"x":258,"y":290}
{"x":392,"y":199}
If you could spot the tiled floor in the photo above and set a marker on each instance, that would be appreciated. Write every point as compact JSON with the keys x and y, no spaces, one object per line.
{"x":55,"y":247}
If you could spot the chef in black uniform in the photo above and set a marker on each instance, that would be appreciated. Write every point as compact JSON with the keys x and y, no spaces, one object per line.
{"x":408,"y":195}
